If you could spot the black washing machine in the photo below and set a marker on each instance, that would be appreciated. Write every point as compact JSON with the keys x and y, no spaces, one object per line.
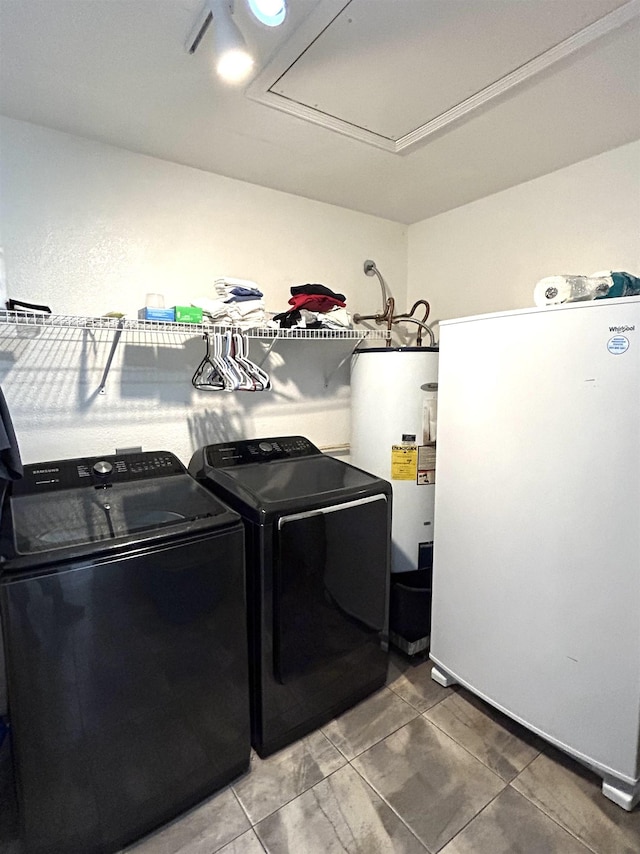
{"x":123,"y":612}
{"x":317,"y":546}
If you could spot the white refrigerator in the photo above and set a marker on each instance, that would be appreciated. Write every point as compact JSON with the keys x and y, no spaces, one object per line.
{"x":536,"y":589}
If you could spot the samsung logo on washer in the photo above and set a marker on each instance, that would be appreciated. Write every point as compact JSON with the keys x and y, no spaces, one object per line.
{"x":619,"y":329}
{"x":45,"y":471}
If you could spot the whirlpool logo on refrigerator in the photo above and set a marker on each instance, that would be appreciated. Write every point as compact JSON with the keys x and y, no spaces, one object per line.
{"x":620,"y":329}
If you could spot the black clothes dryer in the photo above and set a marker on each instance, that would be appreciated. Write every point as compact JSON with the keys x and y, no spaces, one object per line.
{"x":123,"y":610}
{"x":318,"y":555}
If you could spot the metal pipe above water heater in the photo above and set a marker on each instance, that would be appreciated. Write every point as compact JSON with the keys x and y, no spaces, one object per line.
{"x":387,"y":314}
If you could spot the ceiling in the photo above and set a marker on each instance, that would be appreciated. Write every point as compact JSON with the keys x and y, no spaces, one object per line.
{"x":398,"y":108}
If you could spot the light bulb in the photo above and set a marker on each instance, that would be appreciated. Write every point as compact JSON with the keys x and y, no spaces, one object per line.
{"x":234,"y":65}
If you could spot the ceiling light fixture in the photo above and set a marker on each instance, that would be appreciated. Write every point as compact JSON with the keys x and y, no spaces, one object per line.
{"x":271,"y":13}
{"x":233,"y":61}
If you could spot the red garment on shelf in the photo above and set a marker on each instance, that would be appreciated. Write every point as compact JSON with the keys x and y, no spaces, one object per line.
{"x":315,"y":302}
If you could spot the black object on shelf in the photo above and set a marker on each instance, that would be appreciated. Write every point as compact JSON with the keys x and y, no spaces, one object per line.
{"x":12,"y":305}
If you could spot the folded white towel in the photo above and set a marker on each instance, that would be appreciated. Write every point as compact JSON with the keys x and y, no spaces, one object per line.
{"x":214,"y":307}
{"x":246,"y":315}
{"x":248,"y":306}
{"x":337,"y":318}
{"x":230,"y":282}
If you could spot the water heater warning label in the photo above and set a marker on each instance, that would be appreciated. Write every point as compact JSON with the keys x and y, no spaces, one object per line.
{"x":426,"y":465}
{"x":404,"y":462}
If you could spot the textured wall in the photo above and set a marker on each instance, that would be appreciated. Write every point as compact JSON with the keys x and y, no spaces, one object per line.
{"x":488,"y":255}
{"x":87,"y":229}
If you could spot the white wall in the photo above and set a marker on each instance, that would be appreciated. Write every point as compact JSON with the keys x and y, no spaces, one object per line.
{"x":488,"y":255}
{"x":88,"y":228}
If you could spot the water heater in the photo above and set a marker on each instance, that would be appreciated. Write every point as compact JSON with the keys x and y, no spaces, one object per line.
{"x":393,"y":415}
{"x":393,"y":433}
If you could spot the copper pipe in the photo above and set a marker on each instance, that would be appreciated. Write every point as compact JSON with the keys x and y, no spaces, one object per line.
{"x":387,"y":315}
{"x":422,"y":324}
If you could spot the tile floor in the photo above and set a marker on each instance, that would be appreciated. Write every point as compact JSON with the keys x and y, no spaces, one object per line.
{"x":414,"y":768}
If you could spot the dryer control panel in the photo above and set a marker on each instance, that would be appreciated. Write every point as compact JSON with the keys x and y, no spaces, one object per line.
{"x":248,"y":451}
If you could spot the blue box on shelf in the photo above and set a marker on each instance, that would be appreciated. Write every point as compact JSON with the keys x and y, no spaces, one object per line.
{"x":166,"y":314}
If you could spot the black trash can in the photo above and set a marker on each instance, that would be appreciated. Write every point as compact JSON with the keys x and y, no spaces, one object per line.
{"x":410,"y":610}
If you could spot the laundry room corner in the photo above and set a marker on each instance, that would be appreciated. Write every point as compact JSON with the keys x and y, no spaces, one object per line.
{"x":583,"y":217}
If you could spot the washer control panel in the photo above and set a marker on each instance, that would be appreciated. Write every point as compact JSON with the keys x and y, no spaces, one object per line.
{"x":97,"y":471}
{"x":248,"y":451}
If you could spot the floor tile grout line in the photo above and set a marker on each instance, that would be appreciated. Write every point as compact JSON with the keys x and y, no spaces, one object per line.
{"x":392,"y":808}
{"x":406,"y":702}
{"x":413,"y":709}
{"x":510,"y":782}
{"x":556,"y":821}
{"x":327,"y":777}
{"x":542,"y":752}
{"x":177,"y":820}
{"x":539,"y":753}
{"x":409,"y":703}
{"x":333,"y":744}
{"x":235,"y":838}
{"x":473,"y":818}
{"x":297,"y":795}
{"x":571,"y":832}
{"x":241,"y":804}
{"x":381,"y":795}
{"x":292,"y":798}
{"x":381,"y":739}
{"x":260,"y":842}
{"x":466,"y":749}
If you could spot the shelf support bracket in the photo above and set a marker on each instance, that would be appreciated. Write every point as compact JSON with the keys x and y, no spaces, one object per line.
{"x":107,"y":367}
{"x":332,"y":374}
{"x":267,"y":352}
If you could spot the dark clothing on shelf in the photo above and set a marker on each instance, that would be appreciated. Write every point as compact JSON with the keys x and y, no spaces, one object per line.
{"x":293,"y":318}
{"x":246,"y":292}
{"x":316,"y":290}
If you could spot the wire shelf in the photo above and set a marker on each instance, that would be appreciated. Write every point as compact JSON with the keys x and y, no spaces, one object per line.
{"x":123,"y":325}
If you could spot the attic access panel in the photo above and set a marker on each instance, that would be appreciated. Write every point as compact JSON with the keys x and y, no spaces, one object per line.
{"x":392,"y":72}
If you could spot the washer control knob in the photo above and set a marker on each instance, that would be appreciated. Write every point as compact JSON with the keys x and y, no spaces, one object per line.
{"x":265,"y":447}
{"x":102,"y":468}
